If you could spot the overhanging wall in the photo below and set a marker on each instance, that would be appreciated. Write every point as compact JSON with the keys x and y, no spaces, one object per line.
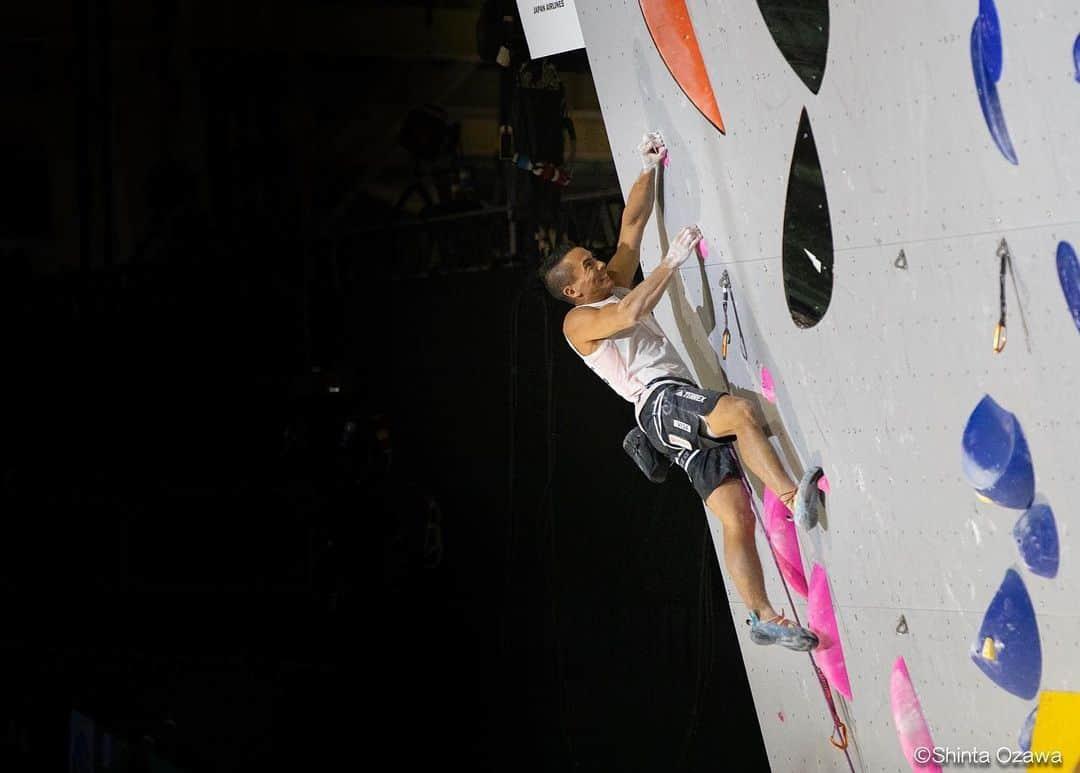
{"x":879,"y":392}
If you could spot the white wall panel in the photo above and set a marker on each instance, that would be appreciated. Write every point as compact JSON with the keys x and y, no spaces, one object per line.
{"x":879,"y":391}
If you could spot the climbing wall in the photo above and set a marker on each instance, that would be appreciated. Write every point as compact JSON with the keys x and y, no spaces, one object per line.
{"x":946,"y":135}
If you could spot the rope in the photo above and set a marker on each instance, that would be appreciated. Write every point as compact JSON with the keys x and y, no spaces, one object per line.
{"x":839,"y":728}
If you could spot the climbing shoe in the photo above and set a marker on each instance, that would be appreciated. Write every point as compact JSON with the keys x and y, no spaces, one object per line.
{"x":808,"y":499}
{"x":782,"y":631}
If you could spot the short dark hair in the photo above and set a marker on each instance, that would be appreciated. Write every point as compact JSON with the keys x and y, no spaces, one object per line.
{"x":556,"y":273}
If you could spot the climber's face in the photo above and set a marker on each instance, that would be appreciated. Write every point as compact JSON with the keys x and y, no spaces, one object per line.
{"x":592,"y":282}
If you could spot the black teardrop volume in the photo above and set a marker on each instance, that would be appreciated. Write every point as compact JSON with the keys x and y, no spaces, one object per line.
{"x":800,"y":29}
{"x":807,"y":241}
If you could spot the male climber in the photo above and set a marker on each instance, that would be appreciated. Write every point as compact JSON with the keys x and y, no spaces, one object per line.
{"x":612,"y":329}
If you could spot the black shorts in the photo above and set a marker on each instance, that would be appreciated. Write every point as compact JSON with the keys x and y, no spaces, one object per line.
{"x":672,"y":419}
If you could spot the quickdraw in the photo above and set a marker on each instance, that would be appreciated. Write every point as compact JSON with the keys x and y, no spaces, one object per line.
{"x":839,"y":728}
{"x":1001,"y":335}
{"x":725,"y":339}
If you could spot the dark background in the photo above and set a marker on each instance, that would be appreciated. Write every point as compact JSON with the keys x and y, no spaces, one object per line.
{"x":297,"y":470}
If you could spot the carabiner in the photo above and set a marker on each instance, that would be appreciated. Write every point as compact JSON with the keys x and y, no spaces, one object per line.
{"x":1000,"y":338}
{"x":843,"y":744}
{"x":724,"y":341}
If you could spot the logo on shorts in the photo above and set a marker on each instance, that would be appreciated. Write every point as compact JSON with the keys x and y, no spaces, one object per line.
{"x":690,"y":396}
{"x":677,"y":442}
{"x":681,"y":425}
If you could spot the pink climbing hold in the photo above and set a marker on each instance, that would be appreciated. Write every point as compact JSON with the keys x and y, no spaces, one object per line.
{"x":667,"y":161}
{"x":703,"y":248}
{"x":821,"y":618}
{"x":785,"y":543}
{"x":767,"y":388}
{"x":911,"y":728}
{"x":780,"y":715}
{"x":823,"y":485}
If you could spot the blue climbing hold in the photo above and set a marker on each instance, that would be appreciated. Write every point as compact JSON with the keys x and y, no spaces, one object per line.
{"x":990,"y":29}
{"x":995,"y":459}
{"x":1069,"y":275}
{"x":1037,"y":538}
{"x":1024,"y":741}
{"x":1008,"y":649}
{"x":1076,"y":56}
{"x":986,"y":63}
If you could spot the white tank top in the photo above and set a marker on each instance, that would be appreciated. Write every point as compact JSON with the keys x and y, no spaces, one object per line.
{"x":630,"y":360}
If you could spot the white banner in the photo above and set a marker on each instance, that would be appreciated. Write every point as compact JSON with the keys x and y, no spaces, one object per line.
{"x":551,"y":26}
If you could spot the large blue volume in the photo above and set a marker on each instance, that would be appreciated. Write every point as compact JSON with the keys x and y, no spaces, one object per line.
{"x":995,"y":456}
{"x":1076,"y":56}
{"x":1068,"y":268}
{"x":1016,"y":661}
{"x":986,"y":63}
